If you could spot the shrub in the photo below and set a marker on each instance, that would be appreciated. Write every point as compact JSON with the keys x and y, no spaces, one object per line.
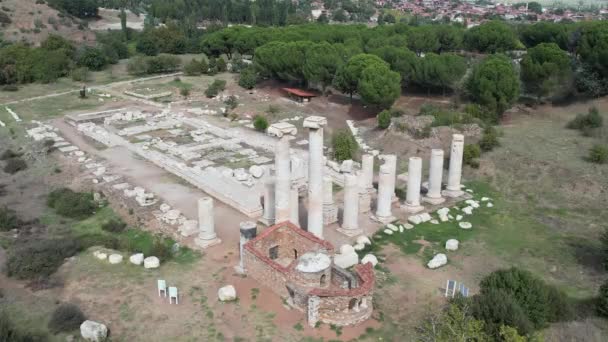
{"x":8,"y":154}
{"x":8,"y":219}
{"x":9,"y":331}
{"x":231,"y":102}
{"x":260,"y":123}
{"x":71,"y":204}
{"x":541,"y":303}
{"x":196,"y":68}
{"x":470,"y":154}
{"x":185,"y":92}
{"x":489,"y":139}
{"x":221,"y":65}
{"x":481,"y":113}
{"x":160,"y":249}
{"x":384,"y":119}
{"x":215,"y":88}
{"x":591,"y":120}
{"x":602,"y":301}
{"x":598,"y":154}
{"x":114,"y":226}
{"x":10,"y":87}
{"x":397,"y":113}
{"x":248,"y":78}
{"x":39,"y":258}
{"x":496,"y":308}
{"x":80,"y":74}
{"x":345,"y":146}
{"x":15,"y":165}
{"x":66,"y":318}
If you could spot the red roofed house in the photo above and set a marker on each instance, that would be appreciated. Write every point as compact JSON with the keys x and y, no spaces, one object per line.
{"x":298,"y":266}
{"x":299,"y":94}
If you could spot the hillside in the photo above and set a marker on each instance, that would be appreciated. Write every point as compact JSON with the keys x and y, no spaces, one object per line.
{"x":32,"y":21}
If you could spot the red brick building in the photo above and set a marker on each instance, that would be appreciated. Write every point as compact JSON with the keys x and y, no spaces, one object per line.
{"x":298,"y":266}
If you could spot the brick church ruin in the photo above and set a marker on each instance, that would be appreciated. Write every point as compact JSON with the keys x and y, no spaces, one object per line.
{"x":297,"y":265}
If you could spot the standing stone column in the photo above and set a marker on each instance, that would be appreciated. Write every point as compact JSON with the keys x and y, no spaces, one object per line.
{"x":414,"y":179}
{"x":350,"y":215}
{"x":455,"y":171}
{"x":383,"y":210}
{"x":391,"y":161}
{"x":282,"y":164}
{"x":315,"y":174}
{"x":367,"y":172}
{"x":433,"y":195}
{"x":269,"y":209}
{"x":206,"y":237}
{"x":365,"y":193}
{"x":248,"y":230}
{"x":330,"y":211}
{"x":294,"y":202}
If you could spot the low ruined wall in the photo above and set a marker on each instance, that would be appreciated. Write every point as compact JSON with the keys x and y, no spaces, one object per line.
{"x":344,"y":310}
{"x":265,"y":274}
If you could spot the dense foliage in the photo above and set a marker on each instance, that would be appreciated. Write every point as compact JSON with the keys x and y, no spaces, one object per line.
{"x":8,"y":219}
{"x":66,"y":318}
{"x":491,"y":37}
{"x":9,"y":331}
{"x":598,"y":154}
{"x":494,"y":83}
{"x":77,"y":8}
{"x":545,"y":70}
{"x":384,"y":119}
{"x":39,"y":258}
{"x":260,"y":123}
{"x":71,"y":204}
{"x":345,"y":146}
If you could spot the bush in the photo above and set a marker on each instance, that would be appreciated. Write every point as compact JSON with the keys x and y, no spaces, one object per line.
{"x":185,"y":92}
{"x":481,"y":113}
{"x":588,"y":121}
{"x":231,"y":102}
{"x":496,"y":308}
{"x":470,"y":155}
{"x":10,"y":332}
{"x":78,"y":205}
{"x":196,"y":68}
{"x":66,"y":318}
{"x":248,"y":78}
{"x":161,"y":249}
{"x":15,"y":165}
{"x":541,"y":303}
{"x":10,"y":87}
{"x":37,"y":258}
{"x":384,"y":119}
{"x":80,"y":74}
{"x":260,"y":123}
{"x":489,"y":139}
{"x":215,"y":88}
{"x":8,"y":219}
{"x":8,"y":154}
{"x":345,"y":146}
{"x":598,"y":154}
{"x":114,"y":226}
{"x":602,"y":301}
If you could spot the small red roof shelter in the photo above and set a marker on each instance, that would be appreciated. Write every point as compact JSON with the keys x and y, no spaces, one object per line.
{"x":299,"y":94}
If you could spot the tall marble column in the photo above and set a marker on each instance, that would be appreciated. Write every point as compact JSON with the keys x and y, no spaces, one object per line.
{"x":433,"y":194}
{"x":414,"y":179}
{"x":282,"y":179}
{"x":350,"y":216}
{"x":294,"y":202}
{"x":383,"y":211}
{"x":315,"y":126}
{"x":207,"y":236}
{"x":455,"y":171}
{"x":330,"y":211}
{"x":391,"y":161}
{"x":248,"y":231}
{"x":367,"y":172}
{"x":269,"y":206}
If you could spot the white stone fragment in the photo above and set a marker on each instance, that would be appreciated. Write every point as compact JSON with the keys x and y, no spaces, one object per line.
{"x":137,"y":259}
{"x":437,"y":261}
{"x":346,"y":260}
{"x":93,"y":331}
{"x":467,"y":210}
{"x":227,"y":293}
{"x":359,"y":247}
{"x":451,"y":245}
{"x":465,"y":225}
{"x":364,"y":240}
{"x":408,"y":226}
{"x":388,"y":232}
{"x":346,"y":249}
{"x":392,"y":227}
{"x":151,"y":262}
{"x":434,"y":222}
{"x":370,"y":258}
{"x":485,"y":199}
{"x":256,"y":171}
{"x":489,"y":205}
{"x":100,"y":255}
{"x":115,"y":259}
{"x":165,"y":207}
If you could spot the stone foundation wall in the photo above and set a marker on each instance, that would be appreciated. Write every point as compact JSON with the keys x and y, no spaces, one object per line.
{"x":265,"y":274}
{"x":344,"y":310}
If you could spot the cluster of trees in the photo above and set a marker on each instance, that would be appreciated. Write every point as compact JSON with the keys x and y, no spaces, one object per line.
{"x":513,"y":305}
{"x":77,"y":8}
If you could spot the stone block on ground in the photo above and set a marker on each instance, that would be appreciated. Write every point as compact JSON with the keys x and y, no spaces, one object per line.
{"x":137,"y":259}
{"x":151,"y":262}
{"x":115,"y":259}
{"x":93,"y":331}
{"x":100,"y":255}
{"x":465,"y":225}
{"x":438,"y":261}
{"x":227,"y":293}
{"x":346,"y":260}
{"x":452,"y":245}
{"x":364,"y":240}
{"x":370,"y":258}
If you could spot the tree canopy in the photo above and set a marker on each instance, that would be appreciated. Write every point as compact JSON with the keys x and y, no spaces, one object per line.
{"x":545,"y":69}
{"x":494,"y":83}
